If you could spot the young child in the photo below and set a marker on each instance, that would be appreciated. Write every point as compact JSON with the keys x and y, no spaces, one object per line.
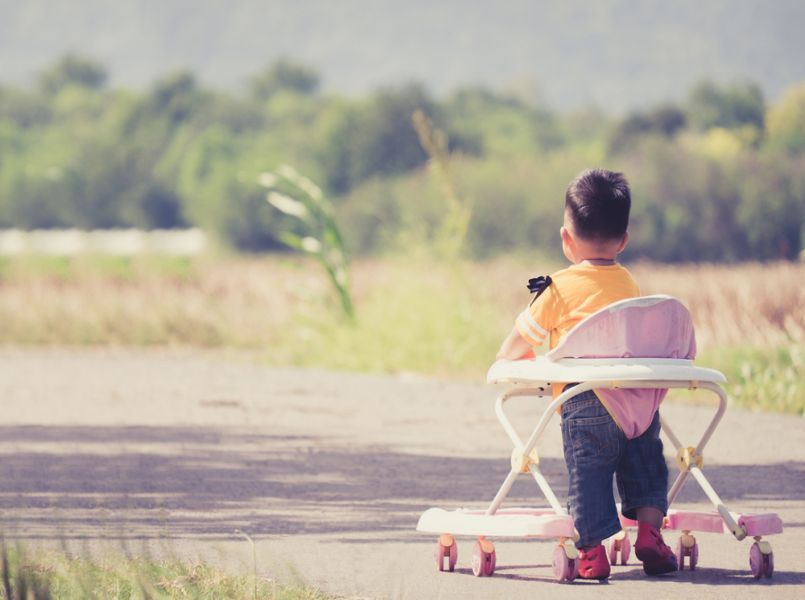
{"x":596,"y":217}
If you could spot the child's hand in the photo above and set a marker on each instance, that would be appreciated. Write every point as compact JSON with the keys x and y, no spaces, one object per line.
{"x":514,"y":347}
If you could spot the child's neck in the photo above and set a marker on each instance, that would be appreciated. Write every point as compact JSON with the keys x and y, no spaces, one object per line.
{"x":598,"y":261}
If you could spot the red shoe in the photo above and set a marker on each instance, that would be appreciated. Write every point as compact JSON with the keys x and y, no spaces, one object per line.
{"x":593,"y":563}
{"x":657,"y":557}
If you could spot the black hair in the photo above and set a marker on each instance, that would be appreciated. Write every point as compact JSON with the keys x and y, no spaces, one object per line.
{"x":598,"y":202}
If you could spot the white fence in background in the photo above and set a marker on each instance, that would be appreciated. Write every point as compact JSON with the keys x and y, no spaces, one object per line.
{"x":110,"y":242}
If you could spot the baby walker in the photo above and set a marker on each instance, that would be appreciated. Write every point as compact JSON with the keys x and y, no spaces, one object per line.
{"x":625,"y":345}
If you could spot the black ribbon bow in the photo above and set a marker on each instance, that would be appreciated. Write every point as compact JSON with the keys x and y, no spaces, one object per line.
{"x":537,"y":285}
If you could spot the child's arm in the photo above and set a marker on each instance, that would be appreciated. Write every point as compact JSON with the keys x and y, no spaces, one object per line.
{"x":527,"y":334}
{"x":514,"y":347}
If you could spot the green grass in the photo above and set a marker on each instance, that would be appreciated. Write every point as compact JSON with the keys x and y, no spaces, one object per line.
{"x":453,"y":327}
{"x":52,"y":574}
{"x":114,"y":268}
{"x":411,"y":323}
{"x":769,"y":379}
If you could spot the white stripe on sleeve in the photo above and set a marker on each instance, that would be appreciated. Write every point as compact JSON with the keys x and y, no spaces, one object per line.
{"x":536,"y":326}
{"x":534,"y":338}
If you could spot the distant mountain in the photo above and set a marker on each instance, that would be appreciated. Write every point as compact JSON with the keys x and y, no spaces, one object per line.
{"x":614,"y":54}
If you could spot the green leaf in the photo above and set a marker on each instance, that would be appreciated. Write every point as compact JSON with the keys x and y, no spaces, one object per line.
{"x":288,"y":205}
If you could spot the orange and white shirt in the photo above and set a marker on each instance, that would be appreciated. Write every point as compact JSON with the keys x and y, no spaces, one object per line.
{"x":574,"y":294}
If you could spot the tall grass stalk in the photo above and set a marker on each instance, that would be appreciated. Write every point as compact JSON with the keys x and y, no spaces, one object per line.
{"x":254,"y":559}
{"x":451,"y":237}
{"x":297,"y":196}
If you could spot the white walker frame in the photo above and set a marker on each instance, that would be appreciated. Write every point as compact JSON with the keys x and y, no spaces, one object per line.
{"x":533,"y":378}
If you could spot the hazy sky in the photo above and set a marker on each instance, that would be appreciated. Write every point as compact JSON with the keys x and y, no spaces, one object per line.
{"x":611,"y":53}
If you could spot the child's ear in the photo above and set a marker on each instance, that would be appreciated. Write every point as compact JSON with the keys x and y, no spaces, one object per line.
{"x":624,"y":243}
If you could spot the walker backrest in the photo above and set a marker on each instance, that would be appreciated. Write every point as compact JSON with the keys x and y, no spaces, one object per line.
{"x":648,"y":327}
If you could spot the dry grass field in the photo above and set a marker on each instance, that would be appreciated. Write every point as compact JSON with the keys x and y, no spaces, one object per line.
{"x":444,"y":319}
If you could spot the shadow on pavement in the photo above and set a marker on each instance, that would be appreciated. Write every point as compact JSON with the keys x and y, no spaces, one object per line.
{"x":713,"y":576}
{"x":205,"y":481}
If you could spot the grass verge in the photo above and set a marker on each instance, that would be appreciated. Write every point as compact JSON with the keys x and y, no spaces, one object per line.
{"x":441,"y":318}
{"x":46,"y":575}
{"x":769,"y":379}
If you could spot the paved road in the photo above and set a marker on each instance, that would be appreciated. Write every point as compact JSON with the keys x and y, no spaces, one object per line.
{"x":169,"y":452}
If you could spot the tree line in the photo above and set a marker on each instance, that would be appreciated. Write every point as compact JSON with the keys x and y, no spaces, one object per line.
{"x":719,"y":176}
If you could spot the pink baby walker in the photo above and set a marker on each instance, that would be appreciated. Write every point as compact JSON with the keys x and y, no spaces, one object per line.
{"x":645,"y":345}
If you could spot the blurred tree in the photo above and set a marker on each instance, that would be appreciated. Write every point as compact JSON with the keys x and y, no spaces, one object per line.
{"x":772,"y":209}
{"x":241,"y":116}
{"x":587,"y":126}
{"x":22,"y":109}
{"x":482,"y":121}
{"x":376,"y":139}
{"x":73,"y":70}
{"x":176,"y":97}
{"x":663,"y":120}
{"x":178,"y":154}
{"x":729,"y":106}
{"x":687,"y":208}
{"x":694,"y":208}
{"x":159,"y":207}
{"x":219,"y":195}
{"x":284,"y":74}
{"x":34,"y":202}
{"x":785,"y":121}
{"x":336,"y":151}
{"x":102,"y":187}
{"x":244,"y":223}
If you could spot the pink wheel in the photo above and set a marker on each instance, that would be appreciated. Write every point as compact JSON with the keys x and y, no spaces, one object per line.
{"x":626,"y":549}
{"x":446,"y":548}
{"x":756,"y":561}
{"x":693,"y":556}
{"x":622,"y":547}
{"x":564,"y":568}
{"x":762,"y":565}
{"x":768,"y":564}
{"x":692,"y":552}
{"x":452,"y":558}
{"x":483,"y":562}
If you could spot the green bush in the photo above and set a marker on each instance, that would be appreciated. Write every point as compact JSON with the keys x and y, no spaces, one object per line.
{"x":713,"y":180}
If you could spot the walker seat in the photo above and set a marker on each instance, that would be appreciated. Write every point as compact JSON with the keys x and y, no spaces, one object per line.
{"x":644,"y":345}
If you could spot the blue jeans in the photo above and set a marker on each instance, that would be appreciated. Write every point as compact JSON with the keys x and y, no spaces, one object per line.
{"x":595,"y":450}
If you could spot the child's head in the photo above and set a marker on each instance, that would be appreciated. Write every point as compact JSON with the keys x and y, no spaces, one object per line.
{"x":597,"y":204}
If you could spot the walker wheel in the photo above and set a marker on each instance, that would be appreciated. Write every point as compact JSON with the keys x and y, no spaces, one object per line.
{"x":762,"y":565}
{"x":622,"y":546}
{"x":446,"y":548}
{"x":626,"y":549}
{"x":693,"y":556}
{"x":564,"y":568}
{"x":768,"y":565}
{"x":483,"y":559}
{"x":687,"y":546}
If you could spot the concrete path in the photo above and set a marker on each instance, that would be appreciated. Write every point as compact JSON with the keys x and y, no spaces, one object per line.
{"x":171,"y":452}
